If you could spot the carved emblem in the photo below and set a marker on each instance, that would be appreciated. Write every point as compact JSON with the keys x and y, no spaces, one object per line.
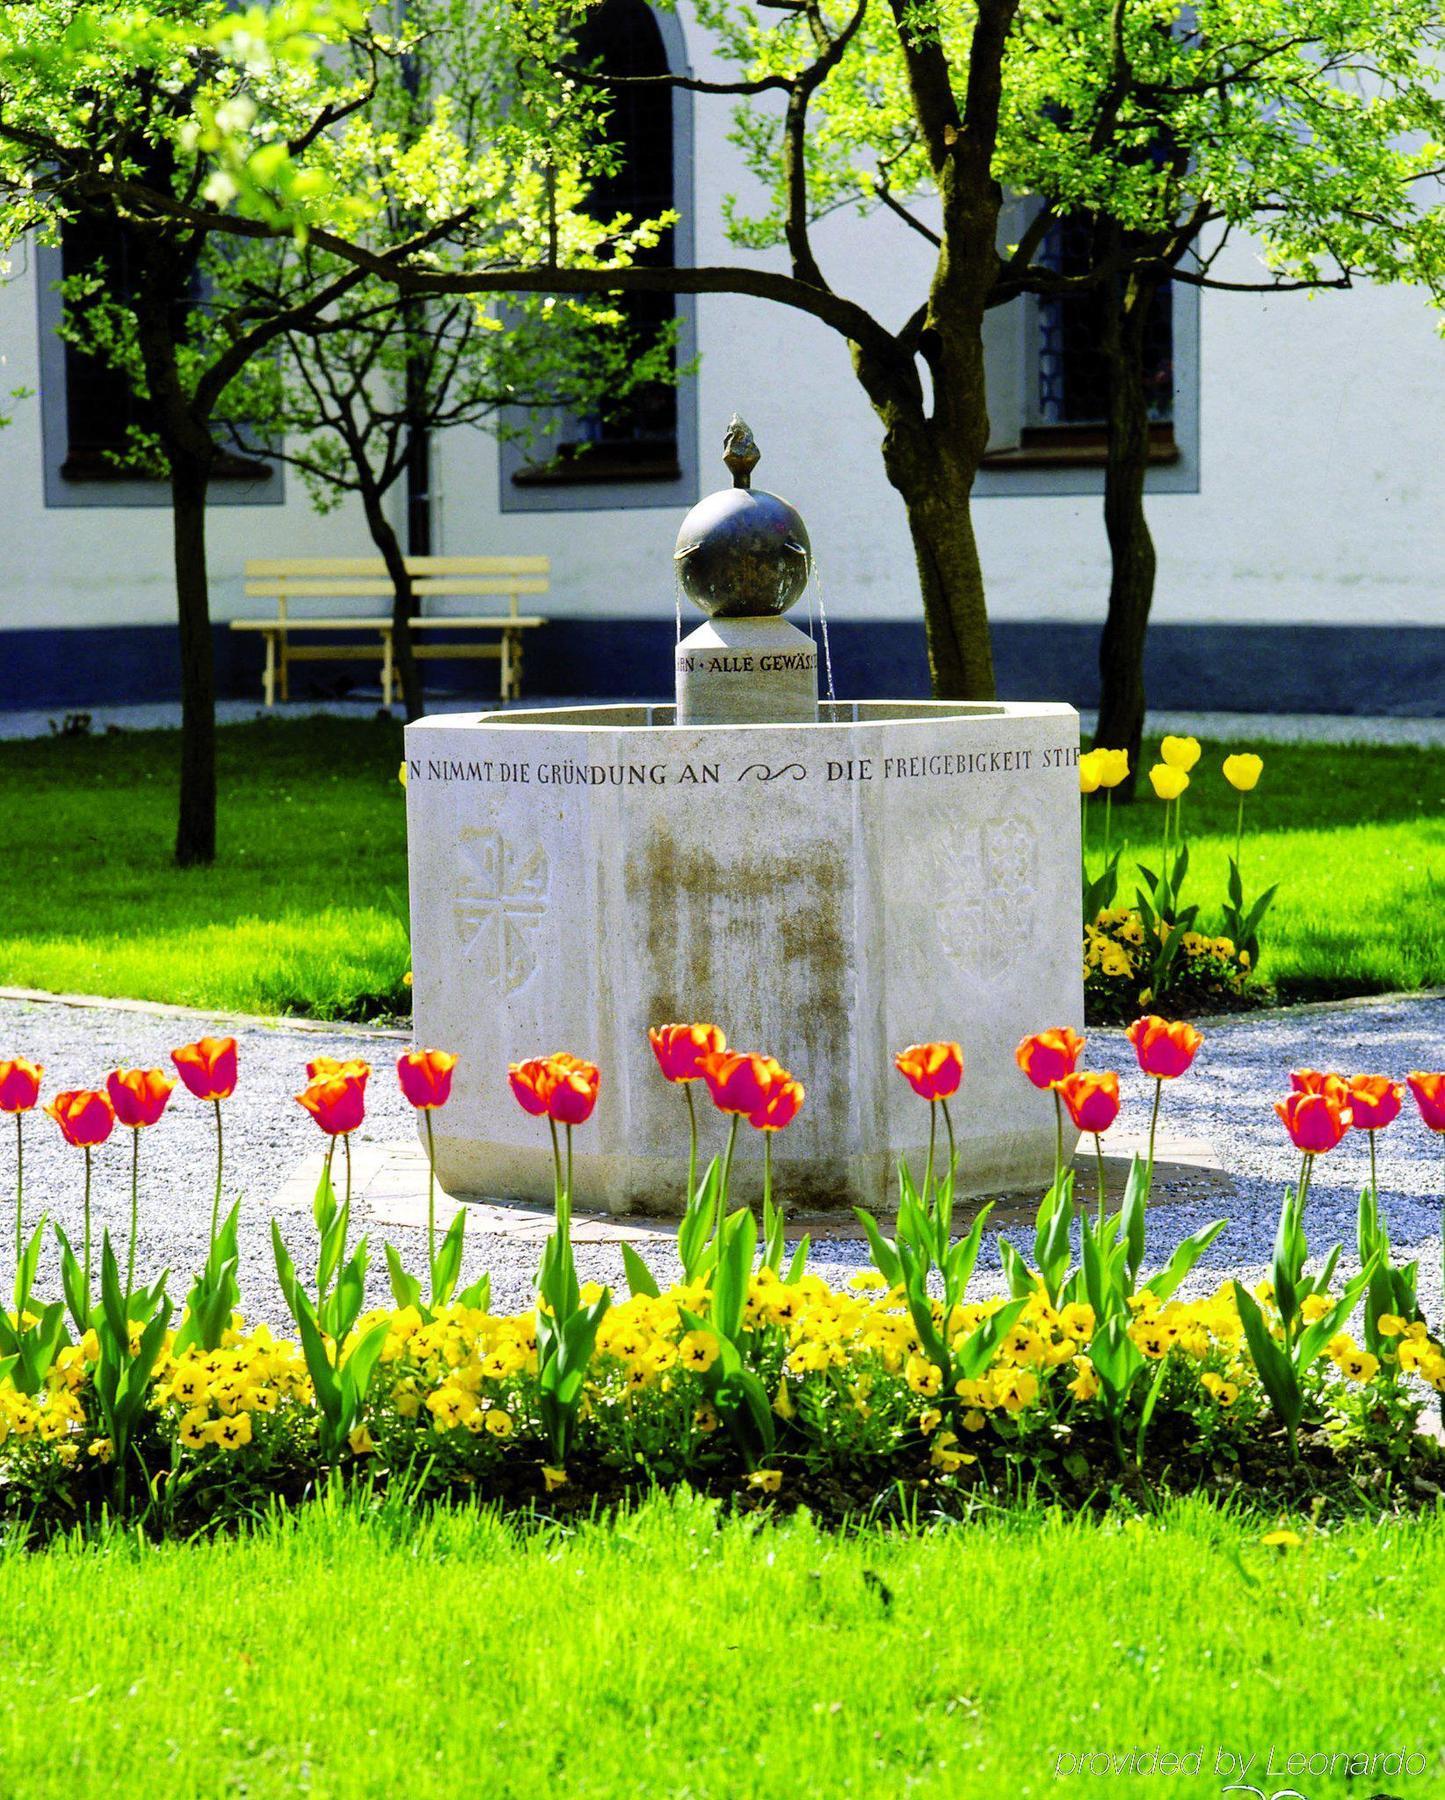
{"x":986,"y":875}
{"x":500,"y":900}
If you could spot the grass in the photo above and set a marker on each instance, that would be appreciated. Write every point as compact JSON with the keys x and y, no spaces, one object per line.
{"x":302,"y":911}
{"x":666,"y":1653}
{"x":1355,"y":837}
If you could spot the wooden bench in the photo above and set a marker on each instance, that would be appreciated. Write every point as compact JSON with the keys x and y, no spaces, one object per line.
{"x":307,"y":578}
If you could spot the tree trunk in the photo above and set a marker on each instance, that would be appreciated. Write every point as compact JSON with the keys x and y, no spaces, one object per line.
{"x":936,"y":491}
{"x":932,"y":461}
{"x":403,"y":603}
{"x":196,"y":827}
{"x":1131,"y":586}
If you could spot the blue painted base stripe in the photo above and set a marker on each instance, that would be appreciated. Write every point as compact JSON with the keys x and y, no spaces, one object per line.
{"x":1198,"y":668}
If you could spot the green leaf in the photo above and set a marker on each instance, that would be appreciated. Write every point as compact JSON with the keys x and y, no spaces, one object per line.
{"x":1016,"y":1271}
{"x":478,"y":1296}
{"x":405,"y":1288}
{"x":958,"y":1264}
{"x":1167,"y":1280}
{"x":697,"y":1222}
{"x":1131,"y":1216}
{"x":640,"y":1279}
{"x":72,"y":1283}
{"x":449,"y":1260}
{"x":981,"y":1345}
{"x":1273,"y":1366}
{"x":737,"y":1243}
{"x":882,"y":1249}
{"x":772,"y":1236}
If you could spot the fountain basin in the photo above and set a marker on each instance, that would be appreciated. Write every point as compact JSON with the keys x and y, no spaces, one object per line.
{"x":827,"y":893}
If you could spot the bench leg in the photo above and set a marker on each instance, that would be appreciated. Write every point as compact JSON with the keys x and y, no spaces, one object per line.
{"x":268,"y":679}
{"x":511,"y":660}
{"x":285,"y":668}
{"x":387,"y":670}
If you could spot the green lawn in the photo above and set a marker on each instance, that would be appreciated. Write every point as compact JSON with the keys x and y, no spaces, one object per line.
{"x":1355,"y":837}
{"x":300,"y":913}
{"x":668,"y":1654}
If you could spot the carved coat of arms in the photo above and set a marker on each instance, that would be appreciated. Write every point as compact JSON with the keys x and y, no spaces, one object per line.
{"x":500,"y":899}
{"x":985,"y":878}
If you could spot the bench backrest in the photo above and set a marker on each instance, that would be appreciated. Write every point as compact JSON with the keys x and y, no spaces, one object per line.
{"x":288,"y":578}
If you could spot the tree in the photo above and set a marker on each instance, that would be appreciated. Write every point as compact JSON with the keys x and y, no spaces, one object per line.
{"x":354,"y":385}
{"x":1169,"y":130}
{"x":905,"y":86}
{"x":195,"y":125}
{"x":98,"y":114}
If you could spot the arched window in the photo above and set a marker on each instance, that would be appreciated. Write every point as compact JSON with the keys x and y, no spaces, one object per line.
{"x":641,"y":452}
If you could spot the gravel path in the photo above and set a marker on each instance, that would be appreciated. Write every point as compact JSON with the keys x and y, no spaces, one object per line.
{"x":1240,"y":728}
{"x":1226,"y":1101}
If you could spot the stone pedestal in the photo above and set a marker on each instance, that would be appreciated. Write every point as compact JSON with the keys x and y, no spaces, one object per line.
{"x":827,"y":893}
{"x":747,"y":672}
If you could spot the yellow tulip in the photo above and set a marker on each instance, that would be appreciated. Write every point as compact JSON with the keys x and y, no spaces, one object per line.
{"x":1089,"y":771}
{"x":1180,"y":753}
{"x":1113,"y":767}
{"x":1243,"y":771}
{"x":1169,"y":782}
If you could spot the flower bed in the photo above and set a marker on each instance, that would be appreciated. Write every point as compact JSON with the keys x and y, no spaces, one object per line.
{"x":1151,"y":953}
{"x":751,"y":1376}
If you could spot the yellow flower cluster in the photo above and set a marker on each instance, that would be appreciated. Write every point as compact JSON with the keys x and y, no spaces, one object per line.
{"x":215,"y":1395}
{"x":1118,"y":950}
{"x":846,"y":1367}
{"x":457,"y":1371}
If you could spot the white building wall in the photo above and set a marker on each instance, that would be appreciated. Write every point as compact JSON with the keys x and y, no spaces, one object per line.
{"x":1322,"y":493}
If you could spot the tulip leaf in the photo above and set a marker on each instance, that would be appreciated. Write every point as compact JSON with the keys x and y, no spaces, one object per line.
{"x":640,"y":1279}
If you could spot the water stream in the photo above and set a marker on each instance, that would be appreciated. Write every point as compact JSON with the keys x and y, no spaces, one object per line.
{"x":817,"y":582}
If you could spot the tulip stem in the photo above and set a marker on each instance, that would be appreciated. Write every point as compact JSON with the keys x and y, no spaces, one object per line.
{"x":1058,"y":1137}
{"x":727,"y":1168}
{"x":952,"y":1147}
{"x":87,"y":1224}
{"x":1304,"y":1180}
{"x":767,"y":1171}
{"x":220,"y":1165}
{"x":691,"y":1142}
{"x":1154,"y":1124}
{"x":1239,"y":831}
{"x":19,"y":1193}
{"x":134,"y":1211}
{"x":556,"y":1168}
{"x":569,"y":1170}
{"x":1108,"y":822}
{"x":346,"y":1146}
{"x":1099,"y":1164}
{"x":932,"y":1135}
{"x":431,"y":1202}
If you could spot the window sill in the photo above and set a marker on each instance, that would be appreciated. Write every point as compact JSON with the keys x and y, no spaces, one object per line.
{"x":593,"y":468}
{"x":1076,"y":447}
{"x":94,"y":471}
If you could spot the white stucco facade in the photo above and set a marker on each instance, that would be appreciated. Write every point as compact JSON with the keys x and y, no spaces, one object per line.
{"x":1321,"y":489}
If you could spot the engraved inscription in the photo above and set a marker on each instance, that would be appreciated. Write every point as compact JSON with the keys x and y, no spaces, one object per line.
{"x":500,"y":899}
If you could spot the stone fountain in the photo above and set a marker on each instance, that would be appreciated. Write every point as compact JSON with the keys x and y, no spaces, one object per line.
{"x":828,"y":881}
